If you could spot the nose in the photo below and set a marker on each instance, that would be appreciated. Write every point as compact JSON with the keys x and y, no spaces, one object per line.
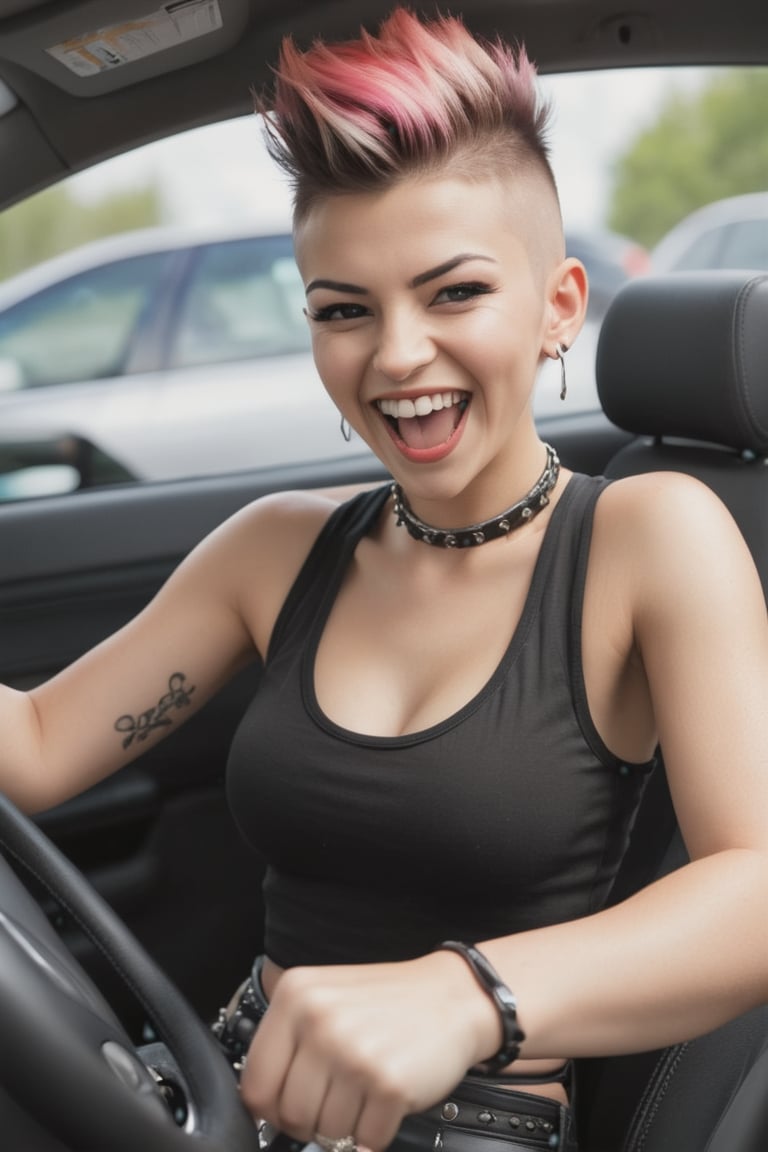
{"x":403,"y":346}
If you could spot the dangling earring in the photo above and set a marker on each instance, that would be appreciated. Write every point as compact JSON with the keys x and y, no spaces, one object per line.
{"x":561,"y":349}
{"x":346,"y":431}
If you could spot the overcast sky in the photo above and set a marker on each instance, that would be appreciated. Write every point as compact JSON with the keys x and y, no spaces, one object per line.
{"x":223,"y":174}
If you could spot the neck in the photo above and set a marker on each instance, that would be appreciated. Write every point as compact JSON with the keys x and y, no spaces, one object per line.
{"x":495,"y":528}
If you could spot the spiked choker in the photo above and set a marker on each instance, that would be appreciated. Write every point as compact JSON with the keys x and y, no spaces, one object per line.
{"x":501,"y":525}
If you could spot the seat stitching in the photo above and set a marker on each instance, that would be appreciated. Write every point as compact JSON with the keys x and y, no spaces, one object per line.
{"x":743,"y":392}
{"x":655,"y":1092}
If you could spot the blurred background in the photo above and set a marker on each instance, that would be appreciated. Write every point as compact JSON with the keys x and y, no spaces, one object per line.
{"x":633,"y":154}
{"x":150,"y":310}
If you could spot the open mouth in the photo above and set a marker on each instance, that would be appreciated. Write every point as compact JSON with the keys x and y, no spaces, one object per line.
{"x":425,"y":421}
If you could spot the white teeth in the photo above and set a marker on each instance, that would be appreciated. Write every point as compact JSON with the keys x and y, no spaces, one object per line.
{"x":421,"y":406}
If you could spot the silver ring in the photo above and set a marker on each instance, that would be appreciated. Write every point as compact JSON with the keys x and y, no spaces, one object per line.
{"x":343,"y":1144}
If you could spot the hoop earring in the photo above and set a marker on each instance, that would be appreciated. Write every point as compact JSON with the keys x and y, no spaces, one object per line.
{"x":560,"y":350}
{"x":346,"y":431}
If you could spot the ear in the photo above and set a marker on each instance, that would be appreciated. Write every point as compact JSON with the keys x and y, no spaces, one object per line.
{"x":567,"y":296}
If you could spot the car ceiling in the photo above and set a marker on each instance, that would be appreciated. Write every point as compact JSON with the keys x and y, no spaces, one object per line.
{"x":61,"y":122}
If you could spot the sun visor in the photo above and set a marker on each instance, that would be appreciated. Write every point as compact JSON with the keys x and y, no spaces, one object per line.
{"x":93,"y":48}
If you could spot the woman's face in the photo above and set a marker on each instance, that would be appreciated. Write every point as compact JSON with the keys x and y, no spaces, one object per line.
{"x":428,"y":306}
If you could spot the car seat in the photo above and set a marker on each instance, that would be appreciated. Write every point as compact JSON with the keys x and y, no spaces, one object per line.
{"x":682,"y":364}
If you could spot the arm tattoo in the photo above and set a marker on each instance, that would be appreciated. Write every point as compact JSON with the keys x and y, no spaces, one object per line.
{"x":139,"y":727}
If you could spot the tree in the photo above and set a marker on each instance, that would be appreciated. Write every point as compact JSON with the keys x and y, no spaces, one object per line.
{"x":703,"y":147}
{"x":53,"y":221}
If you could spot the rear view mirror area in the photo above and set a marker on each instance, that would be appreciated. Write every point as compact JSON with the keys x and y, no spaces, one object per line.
{"x":54,"y":466}
{"x":46,"y":480}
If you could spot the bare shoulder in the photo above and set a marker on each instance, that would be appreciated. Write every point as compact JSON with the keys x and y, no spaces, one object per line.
{"x":656,"y":504}
{"x":258,"y":552}
{"x":287,"y":514}
{"x":268,"y":539}
{"x":294,"y":516}
{"x":668,"y":535}
{"x":274,"y":533}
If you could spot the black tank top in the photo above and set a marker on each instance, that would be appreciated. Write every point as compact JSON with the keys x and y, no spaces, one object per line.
{"x":511,"y":814}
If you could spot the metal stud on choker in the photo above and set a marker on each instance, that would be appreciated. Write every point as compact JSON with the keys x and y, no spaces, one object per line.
{"x":520,"y":513}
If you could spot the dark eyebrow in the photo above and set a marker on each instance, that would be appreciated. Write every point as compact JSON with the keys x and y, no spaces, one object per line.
{"x":448,"y":266}
{"x":422,"y":278}
{"x":335,"y":286}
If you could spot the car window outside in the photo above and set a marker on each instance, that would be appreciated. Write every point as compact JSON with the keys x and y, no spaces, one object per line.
{"x":244,"y":299}
{"x":746,"y":245}
{"x":80,"y":330}
{"x":704,"y":252}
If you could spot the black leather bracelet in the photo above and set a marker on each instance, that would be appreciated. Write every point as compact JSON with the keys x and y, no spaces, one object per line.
{"x":489,"y":980}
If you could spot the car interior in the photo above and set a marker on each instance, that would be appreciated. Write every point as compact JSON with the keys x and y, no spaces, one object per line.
{"x":140,"y":907}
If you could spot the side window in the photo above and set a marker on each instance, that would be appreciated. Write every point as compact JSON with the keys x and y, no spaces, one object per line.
{"x":80,"y":328}
{"x":747,"y":245}
{"x":244,"y":301}
{"x":704,"y":252}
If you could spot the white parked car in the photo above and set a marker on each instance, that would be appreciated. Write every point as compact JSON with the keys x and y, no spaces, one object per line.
{"x":730,"y":233}
{"x":180,"y":353}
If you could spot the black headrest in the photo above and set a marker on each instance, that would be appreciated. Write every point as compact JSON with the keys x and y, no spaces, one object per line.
{"x":686,"y":355}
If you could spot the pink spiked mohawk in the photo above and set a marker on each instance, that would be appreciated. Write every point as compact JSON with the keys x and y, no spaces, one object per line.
{"x":361,"y":114}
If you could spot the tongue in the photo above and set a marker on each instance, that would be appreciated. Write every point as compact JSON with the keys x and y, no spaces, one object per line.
{"x":429,"y":431}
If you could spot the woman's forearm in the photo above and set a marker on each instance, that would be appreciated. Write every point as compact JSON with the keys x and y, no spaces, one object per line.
{"x":21,"y":773}
{"x":676,"y":960}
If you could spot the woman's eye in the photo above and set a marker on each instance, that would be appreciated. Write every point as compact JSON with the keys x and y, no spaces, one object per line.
{"x":459,"y":293}
{"x":337,"y":312}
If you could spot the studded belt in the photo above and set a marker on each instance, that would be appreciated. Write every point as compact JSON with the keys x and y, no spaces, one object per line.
{"x":479,"y":1117}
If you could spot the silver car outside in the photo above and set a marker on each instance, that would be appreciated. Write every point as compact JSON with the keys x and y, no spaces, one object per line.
{"x":730,"y":233}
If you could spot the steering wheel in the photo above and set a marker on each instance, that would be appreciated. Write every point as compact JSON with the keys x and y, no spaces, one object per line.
{"x":66,"y":1063}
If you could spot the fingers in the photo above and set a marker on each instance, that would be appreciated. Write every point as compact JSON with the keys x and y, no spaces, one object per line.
{"x":339,"y":1113}
{"x":315,"y":1087}
{"x":313,"y":1101}
{"x":378,"y":1123}
{"x":348,"y":1051}
{"x":344,"y":1111}
{"x":299,"y":1107}
{"x":372,"y":1119}
{"x":308,"y":1089}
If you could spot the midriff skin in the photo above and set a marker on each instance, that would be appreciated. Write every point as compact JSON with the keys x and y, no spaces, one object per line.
{"x":271,"y":973}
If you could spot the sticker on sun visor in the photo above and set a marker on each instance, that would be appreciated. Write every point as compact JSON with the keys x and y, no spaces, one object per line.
{"x":173,"y":24}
